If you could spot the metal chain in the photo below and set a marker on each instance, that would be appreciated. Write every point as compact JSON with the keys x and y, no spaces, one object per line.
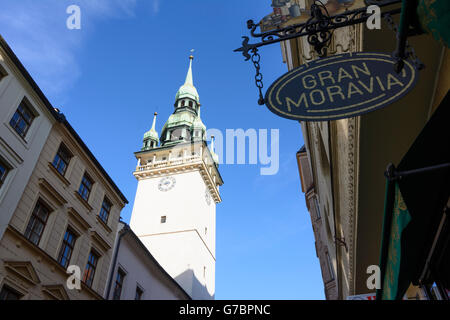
{"x":410,"y":53}
{"x":256,"y":58}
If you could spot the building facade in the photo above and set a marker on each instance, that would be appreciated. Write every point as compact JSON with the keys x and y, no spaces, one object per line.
{"x":174,"y":212}
{"x":25,"y":125}
{"x":342,"y":164}
{"x":66,"y":218}
{"x":136,"y":275}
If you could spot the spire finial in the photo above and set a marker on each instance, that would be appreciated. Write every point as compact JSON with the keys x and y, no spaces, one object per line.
{"x":191,"y":57}
{"x":154,"y":120}
{"x":189,"y":79}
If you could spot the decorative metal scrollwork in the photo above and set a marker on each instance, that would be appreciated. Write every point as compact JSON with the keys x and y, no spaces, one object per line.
{"x":318,"y":28}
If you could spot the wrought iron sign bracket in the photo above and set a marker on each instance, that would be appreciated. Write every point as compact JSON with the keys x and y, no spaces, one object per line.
{"x":319,"y":29}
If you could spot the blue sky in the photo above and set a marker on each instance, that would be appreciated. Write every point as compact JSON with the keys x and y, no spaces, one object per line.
{"x":127,"y":61}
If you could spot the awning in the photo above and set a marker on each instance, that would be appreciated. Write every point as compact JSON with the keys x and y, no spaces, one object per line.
{"x":416,"y":194}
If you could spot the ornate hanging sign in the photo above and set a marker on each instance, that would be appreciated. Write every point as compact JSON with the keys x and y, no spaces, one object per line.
{"x":340,"y":86}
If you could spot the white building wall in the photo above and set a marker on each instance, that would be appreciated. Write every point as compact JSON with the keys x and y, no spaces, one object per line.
{"x":180,"y":245}
{"x":140,"y":271}
{"x":20,"y":154}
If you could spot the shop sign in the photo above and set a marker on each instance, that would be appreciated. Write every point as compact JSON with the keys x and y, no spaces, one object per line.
{"x":340,"y":86}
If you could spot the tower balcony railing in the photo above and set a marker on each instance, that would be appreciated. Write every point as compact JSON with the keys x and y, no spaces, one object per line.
{"x":165,"y":163}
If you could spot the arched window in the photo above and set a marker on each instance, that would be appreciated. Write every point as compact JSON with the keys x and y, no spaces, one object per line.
{"x":191,"y":104}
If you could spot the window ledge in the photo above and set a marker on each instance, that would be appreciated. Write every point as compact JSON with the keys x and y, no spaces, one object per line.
{"x":105,"y":226}
{"x":84,"y":202}
{"x":58,"y":174}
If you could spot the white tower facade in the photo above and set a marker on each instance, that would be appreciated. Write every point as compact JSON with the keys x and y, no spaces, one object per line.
{"x":174,"y":211}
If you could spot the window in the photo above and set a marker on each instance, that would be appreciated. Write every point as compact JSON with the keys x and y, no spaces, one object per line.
{"x":190,"y":104}
{"x":91,"y":265}
{"x":119,"y":283}
{"x":4,"y":169}
{"x":163,"y":219}
{"x":67,"y":248}
{"x":9,"y":294}
{"x":3,"y":73}
{"x":85,"y":187}
{"x":37,"y":222}
{"x":139,"y":293}
{"x":22,"y":119}
{"x":317,"y":208}
{"x":105,"y":210}
{"x":330,"y":267}
{"x":62,"y":159}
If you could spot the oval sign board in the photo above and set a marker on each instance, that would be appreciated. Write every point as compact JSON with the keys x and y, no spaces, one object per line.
{"x":340,"y":86}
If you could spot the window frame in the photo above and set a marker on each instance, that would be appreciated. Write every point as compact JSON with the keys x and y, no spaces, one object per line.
{"x":9,"y":290}
{"x":139,"y":293}
{"x":88,"y":278}
{"x":103,"y":209}
{"x":31,"y":226}
{"x":7,"y":170}
{"x":330,"y":267}
{"x":57,"y":158}
{"x":82,"y":184}
{"x":26,"y":106}
{"x":317,"y":208}
{"x":3,"y":73}
{"x":118,"y":283}
{"x":66,"y":244}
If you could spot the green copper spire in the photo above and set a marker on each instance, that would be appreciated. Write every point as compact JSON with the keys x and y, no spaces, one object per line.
{"x":187,"y":90}
{"x":151,"y":138}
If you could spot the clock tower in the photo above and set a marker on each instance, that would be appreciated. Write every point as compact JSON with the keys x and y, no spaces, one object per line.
{"x":174,"y":211}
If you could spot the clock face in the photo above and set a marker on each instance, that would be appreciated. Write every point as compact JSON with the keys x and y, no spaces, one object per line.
{"x":207,"y":197}
{"x":167,"y":183}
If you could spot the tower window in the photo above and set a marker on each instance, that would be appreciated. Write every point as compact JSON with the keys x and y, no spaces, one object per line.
{"x":190,"y":104}
{"x":163,"y":219}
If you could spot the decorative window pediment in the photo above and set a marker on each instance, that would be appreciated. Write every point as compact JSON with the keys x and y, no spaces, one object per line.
{"x":23,"y":269}
{"x":50,"y":191}
{"x":99,"y":241}
{"x":56,"y":292}
{"x":76,"y":217}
